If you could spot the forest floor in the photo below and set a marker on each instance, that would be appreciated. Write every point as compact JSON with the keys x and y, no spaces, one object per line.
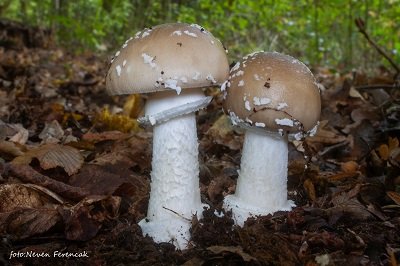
{"x":74,"y":176}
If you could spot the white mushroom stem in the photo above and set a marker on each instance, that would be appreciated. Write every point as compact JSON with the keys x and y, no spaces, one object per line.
{"x":262,"y":184}
{"x":175,"y":192}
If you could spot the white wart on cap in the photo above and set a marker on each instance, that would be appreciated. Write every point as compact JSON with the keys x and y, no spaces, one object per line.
{"x":168,"y":56}
{"x":273,"y":91}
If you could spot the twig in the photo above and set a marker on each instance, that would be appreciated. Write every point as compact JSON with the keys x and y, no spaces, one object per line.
{"x":378,"y":86}
{"x":333,"y":147}
{"x":180,"y":215}
{"x":27,"y":174}
{"x":361,"y":27}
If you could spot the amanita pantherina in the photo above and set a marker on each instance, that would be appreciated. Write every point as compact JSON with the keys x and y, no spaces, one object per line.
{"x":171,"y":62}
{"x":271,"y":95}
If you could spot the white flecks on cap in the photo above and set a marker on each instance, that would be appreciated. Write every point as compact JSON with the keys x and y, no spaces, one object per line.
{"x":298,"y":136}
{"x":284,"y":122}
{"x":172,"y":84}
{"x":247,"y":105}
{"x":256,"y":77}
{"x":118,"y":68}
{"x":191,"y":34}
{"x":241,"y":83}
{"x":199,"y":27}
{"x":148,"y":60}
{"x":280,"y":131}
{"x":223,"y":86}
{"x":124,"y":63}
{"x":196,"y":75}
{"x":281,"y":106}
{"x":146,"y":33}
{"x":234,"y":118}
{"x":183,"y":79}
{"x":261,"y":101}
{"x":177,"y":32}
{"x":313,"y":131}
{"x":235,"y":67}
{"x":117,"y":54}
{"x":211,"y":78}
{"x":259,"y":124}
{"x":239,"y":73}
{"x":248,"y":121}
{"x":137,"y":35}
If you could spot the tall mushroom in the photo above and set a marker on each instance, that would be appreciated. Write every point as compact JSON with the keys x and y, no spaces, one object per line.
{"x":273,"y":96}
{"x":172,"y":63}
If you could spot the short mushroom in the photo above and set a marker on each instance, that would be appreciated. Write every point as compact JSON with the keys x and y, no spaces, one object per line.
{"x":172,"y":63}
{"x":273,"y":96}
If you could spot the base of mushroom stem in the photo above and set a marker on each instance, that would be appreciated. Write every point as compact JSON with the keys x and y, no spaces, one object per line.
{"x":175,"y":232}
{"x":171,"y":229}
{"x":241,"y":210}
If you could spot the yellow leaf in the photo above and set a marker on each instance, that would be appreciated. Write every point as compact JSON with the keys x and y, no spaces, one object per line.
{"x":133,"y":105}
{"x":383,"y":151}
{"x":122,"y":123}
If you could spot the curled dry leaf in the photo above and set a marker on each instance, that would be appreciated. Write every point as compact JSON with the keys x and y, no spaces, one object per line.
{"x":83,"y":221}
{"x":25,"y":211}
{"x":16,"y":196}
{"x":52,"y":132}
{"x":14,"y":132}
{"x":53,"y":155}
{"x":26,"y":222}
{"x":221,"y":132}
{"x":11,"y":149}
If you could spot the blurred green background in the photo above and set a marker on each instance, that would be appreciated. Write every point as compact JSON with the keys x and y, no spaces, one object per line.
{"x":319,"y":32}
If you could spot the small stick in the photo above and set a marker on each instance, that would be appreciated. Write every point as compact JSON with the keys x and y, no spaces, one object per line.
{"x":361,"y":27}
{"x":377,"y":86}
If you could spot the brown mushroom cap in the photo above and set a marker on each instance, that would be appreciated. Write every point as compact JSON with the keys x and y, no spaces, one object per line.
{"x":168,"y":56}
{"x":273,"y":91}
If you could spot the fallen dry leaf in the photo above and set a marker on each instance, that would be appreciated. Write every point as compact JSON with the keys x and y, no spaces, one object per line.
{"x":53,"y":155}
{"x":15,"y":196}
{"x":11,"y":149}
{"x":52,"y":132}
{"x":310,"y":189}
{"x":25,"y":212}
{"x":109,"y":179}
{"x":26,"y":222}
{"x":83,"y":220}
{"x":394,"y":196}
{"x":236,"y":250}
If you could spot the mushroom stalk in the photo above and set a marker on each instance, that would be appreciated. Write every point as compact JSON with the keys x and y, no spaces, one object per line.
{"x":262,"y":184}
{"x":175,"y":192}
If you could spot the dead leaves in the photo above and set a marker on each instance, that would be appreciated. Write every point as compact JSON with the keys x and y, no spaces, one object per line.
{"x":53,"y":155}
{"x":394,"y":196}
{"x":83,"y":221}
{"x":25,"y":211}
